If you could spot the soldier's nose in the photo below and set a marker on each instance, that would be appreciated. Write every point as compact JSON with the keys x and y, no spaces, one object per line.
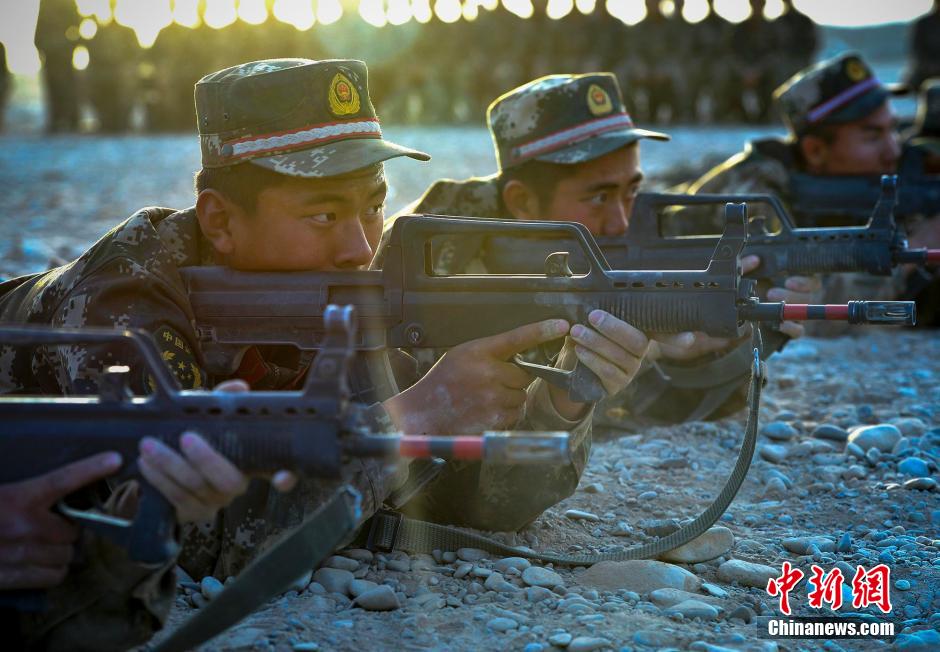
{"x":354,"y":250}
{"x":616,"y":223}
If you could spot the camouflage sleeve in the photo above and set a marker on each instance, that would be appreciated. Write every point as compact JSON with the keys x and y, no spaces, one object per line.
{"x":107,"y":601}
{"x":751,"y":176}
{"x":507,"y":498}
{"x":511,"y":497}
{"x":122,"y":295}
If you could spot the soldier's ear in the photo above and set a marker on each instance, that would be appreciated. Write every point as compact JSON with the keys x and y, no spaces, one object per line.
{"x":814,"y":151}
{"x":520,"y":200}
{"x":216,"y":213}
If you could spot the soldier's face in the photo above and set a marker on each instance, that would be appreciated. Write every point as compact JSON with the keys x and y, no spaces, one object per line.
{"x":866,"y":146}
{"x":600,"y":193}
{"x":323,"y":224}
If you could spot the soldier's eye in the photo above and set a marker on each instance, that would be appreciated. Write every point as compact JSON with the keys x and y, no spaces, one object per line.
{"x":598,"y":199}
{"x":378,"y":209}
{"x":321,"y":218}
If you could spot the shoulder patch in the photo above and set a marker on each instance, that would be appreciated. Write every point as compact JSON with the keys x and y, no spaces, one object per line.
{"x":179,"y":357}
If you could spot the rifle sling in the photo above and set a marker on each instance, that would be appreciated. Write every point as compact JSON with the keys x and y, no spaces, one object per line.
{"x":390,"y":530}
{"x":298,"y":552}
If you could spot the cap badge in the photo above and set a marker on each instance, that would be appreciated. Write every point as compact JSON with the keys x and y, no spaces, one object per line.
{"x":343,"y":96}
{"x":855,"y":71}
{"x":598,"y":100}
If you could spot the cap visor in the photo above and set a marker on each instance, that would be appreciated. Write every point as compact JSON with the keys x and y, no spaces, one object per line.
{"x":337,"y":158}
{"x":596,"y":146}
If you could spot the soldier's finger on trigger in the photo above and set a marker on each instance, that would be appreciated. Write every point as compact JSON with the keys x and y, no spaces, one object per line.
{"x":49,"y":488}
{"x":625,"y":335}
{"x":223,"y":476}
{"x":505,"y":345}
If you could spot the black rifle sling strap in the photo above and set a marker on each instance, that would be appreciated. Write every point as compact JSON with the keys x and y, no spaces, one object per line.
{"x":390,"y":530}
{"x":299,"y":551}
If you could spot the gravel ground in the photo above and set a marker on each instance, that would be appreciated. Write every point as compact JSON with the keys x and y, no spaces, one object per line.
{"x":810,"y":497}
{"x":872,"y":500}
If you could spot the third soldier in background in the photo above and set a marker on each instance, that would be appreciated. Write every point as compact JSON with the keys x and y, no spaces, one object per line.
{"x":839,"y":122}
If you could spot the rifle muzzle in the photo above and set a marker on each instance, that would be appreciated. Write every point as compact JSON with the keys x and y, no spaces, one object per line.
{"x":899,"y":313}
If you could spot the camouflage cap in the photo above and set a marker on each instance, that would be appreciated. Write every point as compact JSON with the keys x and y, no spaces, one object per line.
{"x":926,"y":130}
{"x":297,"y":117}
{"x":562,"y":119}
{"x":835,"y":91}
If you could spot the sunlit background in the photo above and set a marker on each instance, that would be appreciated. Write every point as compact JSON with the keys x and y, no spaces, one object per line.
{"x":148,"y":17}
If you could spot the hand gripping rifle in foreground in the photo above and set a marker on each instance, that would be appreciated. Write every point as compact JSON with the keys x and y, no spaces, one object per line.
{"x":411,"y":304}
{"x":310,"y":431}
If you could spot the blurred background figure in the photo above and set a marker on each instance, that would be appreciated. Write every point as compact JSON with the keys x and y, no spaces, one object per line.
{"x":797,"y":38}
{"x":755,"y":46}
{"x":925,"y":47}
{"x":112,"y":74}
{"x":678,"y":60}
{"x":56,"y":36}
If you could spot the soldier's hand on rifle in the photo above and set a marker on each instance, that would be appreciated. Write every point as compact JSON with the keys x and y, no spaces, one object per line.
{"x":796,"y":289}
{"x":473,"y":387}
{"x":198,"y":480}
{"x":36,"y":543}
{"x":608,"y":346}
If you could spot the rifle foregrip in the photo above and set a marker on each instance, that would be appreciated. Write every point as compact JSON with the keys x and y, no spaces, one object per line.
{"x":673,"y":313}
{"x":824,"y":259}
{"x":292,"y":449}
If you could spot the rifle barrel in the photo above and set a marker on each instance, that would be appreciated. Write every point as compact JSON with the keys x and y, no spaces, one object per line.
{"x":493,"y":447}
{"x":902,"y":313}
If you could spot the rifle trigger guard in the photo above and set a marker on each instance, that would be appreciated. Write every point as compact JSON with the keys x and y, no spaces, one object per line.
{"x":580,"y":383}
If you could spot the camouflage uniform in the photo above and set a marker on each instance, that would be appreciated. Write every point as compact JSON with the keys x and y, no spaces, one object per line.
{"x":832,"y":92}
{"x":130,"y":279}
{"x":545,"y":110}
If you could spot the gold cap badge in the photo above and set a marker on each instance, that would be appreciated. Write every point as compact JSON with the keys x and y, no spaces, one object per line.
{"x":343,"y":96}
{"x":598,"y":100}
{"x":855,"y":71}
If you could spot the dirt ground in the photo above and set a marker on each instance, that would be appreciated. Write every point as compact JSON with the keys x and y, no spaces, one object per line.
{"x":869,"y":506}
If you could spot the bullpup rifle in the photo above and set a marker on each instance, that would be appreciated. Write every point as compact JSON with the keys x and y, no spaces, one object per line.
{"x":311,"y":431}
{"x":410,"y":303}
{"x":784,"y":249}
